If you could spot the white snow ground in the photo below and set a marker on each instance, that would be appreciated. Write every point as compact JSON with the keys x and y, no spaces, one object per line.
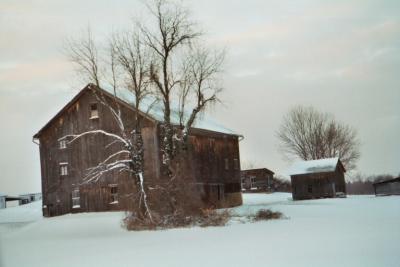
{"x":355,"y":231}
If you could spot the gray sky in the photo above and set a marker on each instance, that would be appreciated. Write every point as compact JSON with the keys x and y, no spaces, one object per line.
{"x":342,"y":57}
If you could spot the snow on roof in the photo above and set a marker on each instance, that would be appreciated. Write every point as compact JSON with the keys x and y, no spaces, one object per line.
{"x":155,"y":110}
{"x":29,"y":194}
{"x":313,"y":166}
{"x":2,"y":195}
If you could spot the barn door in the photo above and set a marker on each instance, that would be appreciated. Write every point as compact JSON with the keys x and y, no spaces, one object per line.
{"x":221,"y":192}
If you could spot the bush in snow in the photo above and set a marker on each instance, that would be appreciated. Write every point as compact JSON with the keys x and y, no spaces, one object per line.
{"x":264,"y":214}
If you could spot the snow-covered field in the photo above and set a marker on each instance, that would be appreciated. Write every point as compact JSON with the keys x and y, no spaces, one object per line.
{"x":355,"y":231}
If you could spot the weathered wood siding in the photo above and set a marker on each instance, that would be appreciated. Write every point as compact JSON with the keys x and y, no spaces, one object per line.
{"x":215,"y":163}
{"x":387,"y":188}
{"x":262,"y":179}
{"x":214,"y":160}
{"x":318,"y":185}
{"x":80,"y":155}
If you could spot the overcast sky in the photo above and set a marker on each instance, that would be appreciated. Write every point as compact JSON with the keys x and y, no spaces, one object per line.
{"x":342,"y":57}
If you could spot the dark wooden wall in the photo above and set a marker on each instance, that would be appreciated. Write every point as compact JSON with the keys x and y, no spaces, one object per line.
{"x":318,"y":185}
{"x":80,"y":155}
{"x":263,"y":179}
{"x":215,"y":162}
{"x":387,"y":188}
{"x":208,"y":154}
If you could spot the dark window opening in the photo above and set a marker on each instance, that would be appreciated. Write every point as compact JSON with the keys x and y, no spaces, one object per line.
{"x":310,"y":188}
{"x":76,"y":199}
{"x":94,"y":112}
{"x":114,"y":194}
{"x":236,"y":164}
{"x":220,"y":192}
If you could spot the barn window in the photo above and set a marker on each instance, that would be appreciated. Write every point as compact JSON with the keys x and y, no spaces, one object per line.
{"x":64,"y":168}
{"x":310,"y":188}
{"x":252,"y":182}
{"x":226,"y":164}
{"x":94,"y":112}
{"x":220,"y":192}
{"x":114,"y":193}
{"x":76,"y":198}
{"x":236,"y":164}
{"x":63,"y":144}
{"x":243,"y":182}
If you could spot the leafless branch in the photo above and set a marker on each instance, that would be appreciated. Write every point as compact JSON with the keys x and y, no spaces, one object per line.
{"x":309,"y":134}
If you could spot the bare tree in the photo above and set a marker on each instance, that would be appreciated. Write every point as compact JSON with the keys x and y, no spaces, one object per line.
{"x":308,"y":134}
{"x":174,"y":32}
{"x":163,"y":61}
{"x":202,"y":80}
{"x":124,"y":63}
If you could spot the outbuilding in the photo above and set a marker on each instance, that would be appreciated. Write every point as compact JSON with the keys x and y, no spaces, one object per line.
{"x":28,"y":198}
{"x":257,"y":179}
{"x":318,"y":179}
{"x":389,"y":187}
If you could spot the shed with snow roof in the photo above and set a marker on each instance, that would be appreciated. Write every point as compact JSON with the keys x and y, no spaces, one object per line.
{"x":213,"y":161}
{"x":317,"y":179}
{"x":388,"y":187}
{"x":257,"y":179}
{"x":28,"y":198}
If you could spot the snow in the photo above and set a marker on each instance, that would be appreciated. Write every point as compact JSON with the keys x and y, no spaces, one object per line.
{"x":354,"y":231}
{"x":156,"y":112}
{"x":313,"y":166}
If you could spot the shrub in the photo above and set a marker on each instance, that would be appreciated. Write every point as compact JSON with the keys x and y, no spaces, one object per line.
{"x":263,"y":215}
{"x":203,"y":218}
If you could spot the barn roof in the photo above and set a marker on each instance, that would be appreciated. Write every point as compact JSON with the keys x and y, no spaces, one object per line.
{"x":2,"y":195}
{"x":156,"y":112}
{"x":204,"y":122}
{"x":256,"y":169}
{"x":315,"y":166}
{"x":388,"y":181}
{"x":29,"y":194}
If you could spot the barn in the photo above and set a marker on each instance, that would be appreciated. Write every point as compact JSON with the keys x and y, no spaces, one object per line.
{"x":257,"y":179}
{"x":214,"y":155}
{"x":317,"y":179}
{"x":389,"y":187}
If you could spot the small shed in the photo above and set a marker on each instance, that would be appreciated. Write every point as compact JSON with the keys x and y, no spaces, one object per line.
{"x":2,"y":201}
{"x":318,"y":179}
{"x":257,"y":179}
{"x":388,"y":187}
{"x":28,"y":198}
